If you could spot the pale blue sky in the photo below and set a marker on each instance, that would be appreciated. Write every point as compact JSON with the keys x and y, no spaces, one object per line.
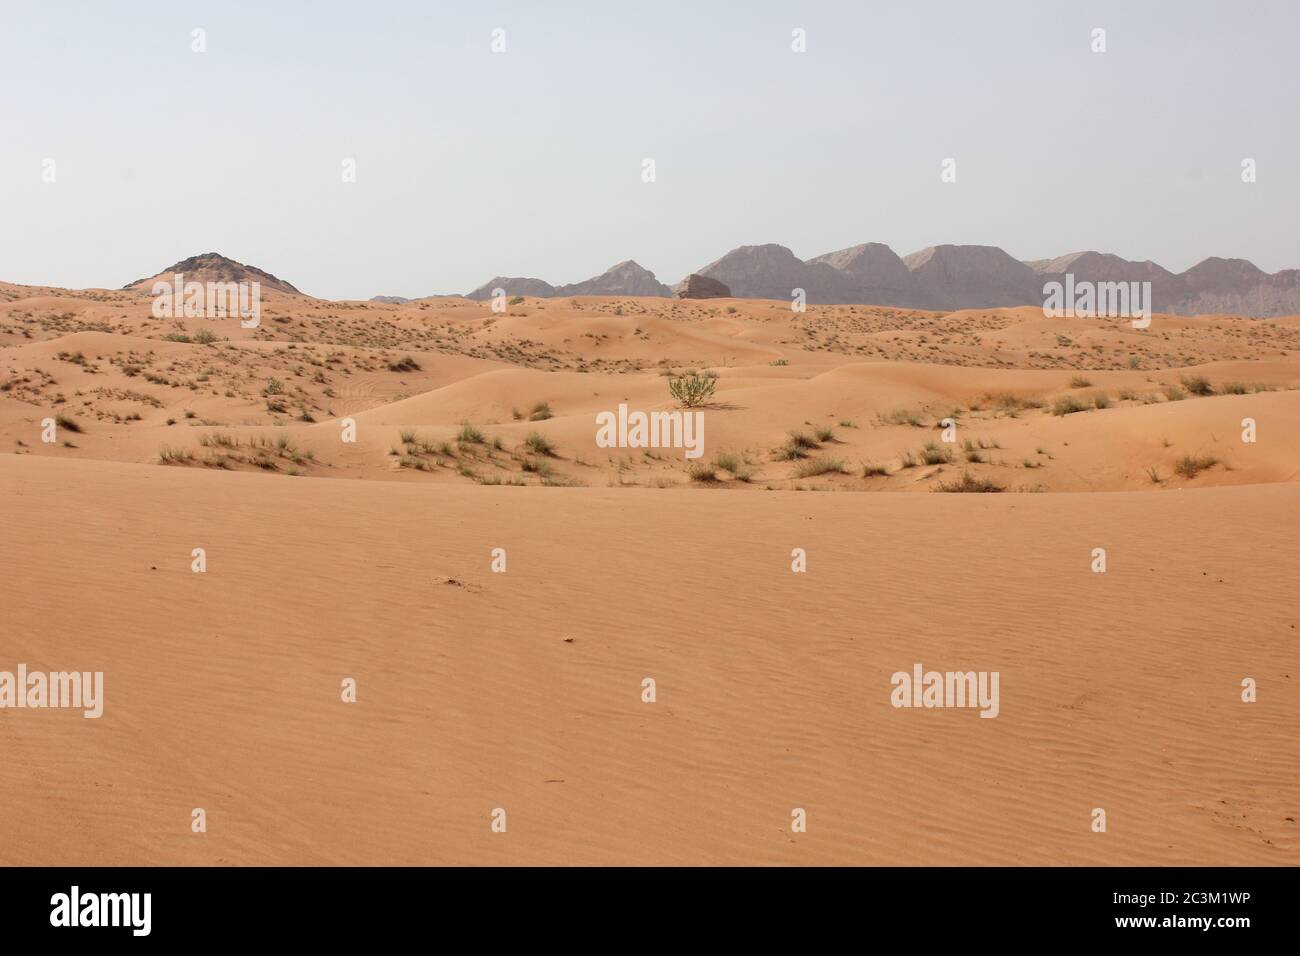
{"x":472,"y":164}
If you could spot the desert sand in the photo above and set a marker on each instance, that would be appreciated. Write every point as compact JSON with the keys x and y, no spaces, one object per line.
{"x":522,"y":690}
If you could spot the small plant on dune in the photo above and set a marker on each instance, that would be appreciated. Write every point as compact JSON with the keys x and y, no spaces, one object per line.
{"x":907,"y":460}
{"x":901,"y":416}
{"x":407,"y":436}
{"x":204,"y":337}
{"x":469,"y":435}
{"x":516,"y":300}
{"x":63,"y":421}
{"x":540,"y":413}
{"x":933,"y":454}
{"x":1079,"y":382}
{"x":273,"y":387}
{"x":692,"y":390}
{"x":825,"y":434}
{"x":537,"y":443}
{"x":729,"y":462}
{"x":1154,"y":474}
{"x":170,"y":456}
{"x":1174,"y":394}
{"x":1101,"y":400}
{"x":1189,"y":466}
{"x":1127,"y":395}
{"x":1198,"y":385}
{"x":1068,"y":406}
{"x":779,"y":362}
{"x":968,"y":483}
{"x":872,"y":470}
{"x":702,"y":472}
{"x":1235,"y":388}
{"x":818,"y":466}
{"x":404,"y":364}
{"x":802,"y":440}
{"x":791,"y":451}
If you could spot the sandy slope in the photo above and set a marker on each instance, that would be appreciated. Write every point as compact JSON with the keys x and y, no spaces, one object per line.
{"x":222,"y":690}
{"x":209,"y":394}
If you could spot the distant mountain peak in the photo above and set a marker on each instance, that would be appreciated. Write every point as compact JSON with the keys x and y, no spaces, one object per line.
{"x":214,"y":267}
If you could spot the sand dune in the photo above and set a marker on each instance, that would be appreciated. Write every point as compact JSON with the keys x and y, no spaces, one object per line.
{"x":1119,"y":690}
{"x":476,"y":430}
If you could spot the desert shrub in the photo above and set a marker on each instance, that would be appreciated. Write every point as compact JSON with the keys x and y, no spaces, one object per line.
{"x":1068,"y":406}
{"x":692,"y":390}
{"x":1198,"y":385}
{"x":813,"y":467}
{"x":933,"y":454}
{"x":901,"y":416}
{"x":538,"y":444}
{"x":1189,"y":466}
{"x":968,"y":483}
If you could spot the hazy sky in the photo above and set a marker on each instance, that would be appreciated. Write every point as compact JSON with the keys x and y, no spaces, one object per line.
{"x":471,"y":164}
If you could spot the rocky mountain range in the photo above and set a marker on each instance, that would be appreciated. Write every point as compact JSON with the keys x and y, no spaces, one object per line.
{"x":946,"y":277}
{"x":626,"y":278}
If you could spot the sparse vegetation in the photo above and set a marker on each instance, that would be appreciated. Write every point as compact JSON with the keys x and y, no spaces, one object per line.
{"x":934,"y":454}
{"x":813,"y":467}
{"x":538,"y":444}
{"x":968,"y":483}
{"x":1189,"y":466}
{"x":1068,"y":406}
{"x":470,"y":435}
